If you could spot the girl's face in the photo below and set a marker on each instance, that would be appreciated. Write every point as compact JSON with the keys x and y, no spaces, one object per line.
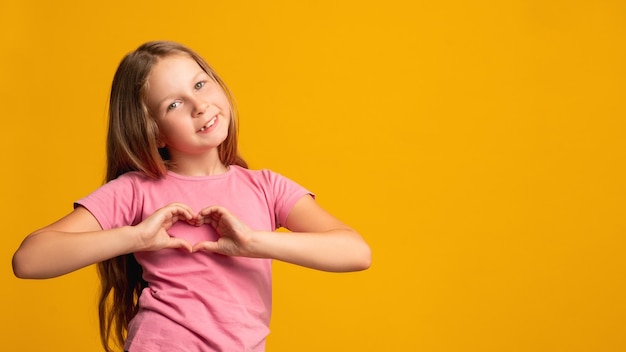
{"x":190,"y":108}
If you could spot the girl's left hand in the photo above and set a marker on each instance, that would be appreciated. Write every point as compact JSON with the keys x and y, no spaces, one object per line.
{"x":235,"y":236}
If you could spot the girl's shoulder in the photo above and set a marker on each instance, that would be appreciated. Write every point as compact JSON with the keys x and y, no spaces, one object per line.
{"x":132,"y":177}
{"x":268,"y":179}
{"x":256,"y":174}
{"x":132,"y":181}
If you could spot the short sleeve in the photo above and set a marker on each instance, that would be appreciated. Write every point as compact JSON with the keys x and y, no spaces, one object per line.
{"x":114,"y":204}
{"x":285,"y":193}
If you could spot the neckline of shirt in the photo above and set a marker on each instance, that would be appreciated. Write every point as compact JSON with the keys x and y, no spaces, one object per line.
{"x":200,"y":178}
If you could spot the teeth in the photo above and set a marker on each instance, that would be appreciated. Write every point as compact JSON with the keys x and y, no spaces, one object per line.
{"x":209,"y":124}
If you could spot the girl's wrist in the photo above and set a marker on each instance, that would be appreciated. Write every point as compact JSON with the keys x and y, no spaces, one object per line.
{"x":257,"y":244}
{"x":133,"y":239}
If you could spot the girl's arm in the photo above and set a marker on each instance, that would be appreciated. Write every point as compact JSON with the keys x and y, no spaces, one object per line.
{"x":318,"y":240}
{"x":77,"y":240}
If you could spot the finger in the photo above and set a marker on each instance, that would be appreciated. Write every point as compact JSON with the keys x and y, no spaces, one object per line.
{"x":179,"y":243}
{"x":195,"y":221}
{"x":210,"y":215}
{"x":214,"y":211}
{"x":205,"y":246}
{"x":182,"y":211}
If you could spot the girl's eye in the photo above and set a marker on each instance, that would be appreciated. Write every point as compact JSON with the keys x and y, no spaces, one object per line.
{"x":173,"y":105}
{"x":199,"y":85}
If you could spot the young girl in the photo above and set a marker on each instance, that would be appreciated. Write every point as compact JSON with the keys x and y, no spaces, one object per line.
{"x":183,"y":233}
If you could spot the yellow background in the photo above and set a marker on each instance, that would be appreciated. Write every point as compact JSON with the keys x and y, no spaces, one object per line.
{"x":478,"y":146}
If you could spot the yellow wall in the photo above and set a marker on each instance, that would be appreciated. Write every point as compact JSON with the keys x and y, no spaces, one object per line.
{"x":479,"y":146}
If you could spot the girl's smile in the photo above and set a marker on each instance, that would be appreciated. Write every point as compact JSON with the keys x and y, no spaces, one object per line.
{"x":207,"y":127}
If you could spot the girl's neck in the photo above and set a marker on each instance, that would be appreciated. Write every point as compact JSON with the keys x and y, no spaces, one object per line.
{"x":198,"y":165}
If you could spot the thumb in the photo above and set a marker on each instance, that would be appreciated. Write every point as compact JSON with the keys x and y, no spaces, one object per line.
{"x":179,"y":243}
{"x":205,"y":246}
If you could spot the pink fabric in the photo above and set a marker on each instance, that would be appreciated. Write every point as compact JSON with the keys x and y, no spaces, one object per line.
{"x":200,"y":301}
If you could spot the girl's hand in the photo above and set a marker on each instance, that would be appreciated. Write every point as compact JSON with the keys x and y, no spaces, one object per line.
{"x":235,"y":236}
{"x":153,"y":230}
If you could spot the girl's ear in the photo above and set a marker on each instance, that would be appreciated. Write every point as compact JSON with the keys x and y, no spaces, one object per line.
{"x":159,"y":139}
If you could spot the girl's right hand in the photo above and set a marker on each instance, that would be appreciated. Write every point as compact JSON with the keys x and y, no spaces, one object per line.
{"x":152,"y":231}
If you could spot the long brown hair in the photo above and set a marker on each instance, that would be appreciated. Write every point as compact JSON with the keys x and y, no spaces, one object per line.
{"x":132,"y":145}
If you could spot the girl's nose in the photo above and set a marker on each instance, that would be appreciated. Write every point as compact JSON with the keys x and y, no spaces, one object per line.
{"x":199,"y":107}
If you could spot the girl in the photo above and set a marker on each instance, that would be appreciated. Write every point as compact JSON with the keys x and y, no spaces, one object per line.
{"x":183,"y":233}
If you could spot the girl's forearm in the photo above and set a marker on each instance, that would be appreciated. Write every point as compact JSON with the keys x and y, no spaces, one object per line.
{"x":335,"y":250}
{"x":48,"y":254}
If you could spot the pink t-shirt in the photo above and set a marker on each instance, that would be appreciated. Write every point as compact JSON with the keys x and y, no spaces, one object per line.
{"x":201,"y":301}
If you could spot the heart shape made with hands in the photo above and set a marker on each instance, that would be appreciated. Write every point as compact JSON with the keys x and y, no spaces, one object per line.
{"x":233,"y":235}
